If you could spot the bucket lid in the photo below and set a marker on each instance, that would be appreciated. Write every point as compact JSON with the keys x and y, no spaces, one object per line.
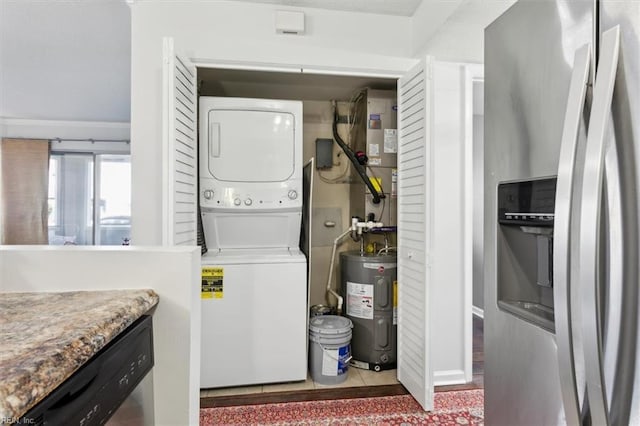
{"x":330,"y":324}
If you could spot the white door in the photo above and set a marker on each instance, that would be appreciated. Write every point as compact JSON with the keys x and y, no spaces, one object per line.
{"x":414,"y":233}
{"x":180,"y":154}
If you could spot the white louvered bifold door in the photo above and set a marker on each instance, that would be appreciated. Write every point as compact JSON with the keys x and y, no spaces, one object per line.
{"x":414,"y":232}
{"x":180,"y":154}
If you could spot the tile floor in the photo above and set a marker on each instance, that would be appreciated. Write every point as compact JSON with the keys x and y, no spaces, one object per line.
{"x":355,"y":377}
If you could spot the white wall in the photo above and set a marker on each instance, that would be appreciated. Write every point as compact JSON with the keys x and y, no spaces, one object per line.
{"x":461,"y":37}
{"x":210,"y":38}
{"x":428,"y":20}
{"x":173,"y":393}
{"x":241,"y":34}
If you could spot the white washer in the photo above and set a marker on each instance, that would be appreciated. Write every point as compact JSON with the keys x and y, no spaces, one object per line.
{"x":254,"y":312}
{"x":257,"y":331}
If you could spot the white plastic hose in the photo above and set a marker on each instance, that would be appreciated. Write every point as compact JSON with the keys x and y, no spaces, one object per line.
{"x":333,"y":256}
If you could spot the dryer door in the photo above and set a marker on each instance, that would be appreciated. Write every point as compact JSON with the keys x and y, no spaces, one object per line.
{"x":250,"y":146}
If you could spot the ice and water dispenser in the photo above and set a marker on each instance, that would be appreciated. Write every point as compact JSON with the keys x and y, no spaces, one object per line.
{"x":525,"y":250}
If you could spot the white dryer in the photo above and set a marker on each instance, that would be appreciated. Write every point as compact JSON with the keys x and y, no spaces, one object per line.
{"x":254,"y":305}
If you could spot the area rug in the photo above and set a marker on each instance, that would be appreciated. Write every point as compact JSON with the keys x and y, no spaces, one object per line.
{"x":450,"y":408}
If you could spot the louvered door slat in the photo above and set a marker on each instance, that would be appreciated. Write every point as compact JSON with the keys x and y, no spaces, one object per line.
{"x":180,"y":149}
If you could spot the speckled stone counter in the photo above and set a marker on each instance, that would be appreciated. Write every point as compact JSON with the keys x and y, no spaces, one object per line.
{"x":46,"y":337}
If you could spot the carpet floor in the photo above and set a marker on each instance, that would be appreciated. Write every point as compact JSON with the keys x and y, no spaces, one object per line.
{"x":454,"y":408}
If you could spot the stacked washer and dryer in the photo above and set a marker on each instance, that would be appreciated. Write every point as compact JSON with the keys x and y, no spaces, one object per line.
{"x":254,"y":298}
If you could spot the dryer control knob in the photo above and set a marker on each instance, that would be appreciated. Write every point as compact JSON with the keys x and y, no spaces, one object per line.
{"x":208,"y":194}
{"x":237,"y":201}
{"x":248,"y":202}
{"x":293,"y":194}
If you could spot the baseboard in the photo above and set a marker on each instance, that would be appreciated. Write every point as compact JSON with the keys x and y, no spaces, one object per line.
{"x":449,"y":377}
{"x":478,"y":312}
{"x":305,"y":395}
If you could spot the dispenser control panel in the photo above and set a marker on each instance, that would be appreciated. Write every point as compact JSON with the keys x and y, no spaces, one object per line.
{"x":530,"y":202}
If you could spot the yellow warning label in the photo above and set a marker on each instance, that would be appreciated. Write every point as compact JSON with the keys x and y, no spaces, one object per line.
{"x":395,"y":294}
{"x":212,"y":283}
{"x":377,"y":183}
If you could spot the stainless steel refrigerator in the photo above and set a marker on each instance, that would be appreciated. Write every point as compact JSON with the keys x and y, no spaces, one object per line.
{"x":562,"y":221}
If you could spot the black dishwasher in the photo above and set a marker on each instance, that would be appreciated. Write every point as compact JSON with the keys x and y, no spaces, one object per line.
{"x":94,"y":392}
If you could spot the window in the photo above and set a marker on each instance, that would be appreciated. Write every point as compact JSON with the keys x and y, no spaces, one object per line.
{"x":114,"y":193}
{"x":89,"y":197}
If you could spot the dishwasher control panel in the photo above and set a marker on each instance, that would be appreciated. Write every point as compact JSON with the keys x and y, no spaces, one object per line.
{"x":94,"y":392}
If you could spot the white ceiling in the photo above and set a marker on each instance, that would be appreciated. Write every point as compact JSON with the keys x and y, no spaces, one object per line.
{"x":382,"y":7}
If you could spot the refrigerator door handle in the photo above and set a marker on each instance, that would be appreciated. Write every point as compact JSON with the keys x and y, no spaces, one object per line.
{"x":562,"y":235}
{"x":590,"y":215}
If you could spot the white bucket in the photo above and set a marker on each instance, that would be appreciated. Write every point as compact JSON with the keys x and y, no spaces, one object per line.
{"x":329,"y":348}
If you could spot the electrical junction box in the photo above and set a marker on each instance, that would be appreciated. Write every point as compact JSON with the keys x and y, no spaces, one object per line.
{"x":324,"y":153}
{"x":289,"y":22}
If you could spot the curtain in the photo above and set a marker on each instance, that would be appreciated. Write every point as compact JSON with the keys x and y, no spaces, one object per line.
{"x":24,"y":174}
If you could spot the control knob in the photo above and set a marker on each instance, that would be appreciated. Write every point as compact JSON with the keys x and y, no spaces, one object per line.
{"x":293,"y":194}
{"x":208,"y":194}
{"x":237,"y":201}
{"x":248,"y":202}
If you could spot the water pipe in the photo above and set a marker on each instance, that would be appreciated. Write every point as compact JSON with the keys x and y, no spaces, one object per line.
{"x":387,"y":250}
{"x":385,"y":230}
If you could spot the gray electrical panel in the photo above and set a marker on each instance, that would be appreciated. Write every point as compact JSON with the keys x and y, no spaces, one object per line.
{"x":375,"y":133}
{"x":324,"y":153}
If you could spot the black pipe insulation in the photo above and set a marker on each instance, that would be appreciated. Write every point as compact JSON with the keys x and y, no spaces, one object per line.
{"x":360,"y":168}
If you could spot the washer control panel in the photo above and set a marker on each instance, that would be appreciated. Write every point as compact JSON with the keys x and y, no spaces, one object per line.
{"x":285,"y":195}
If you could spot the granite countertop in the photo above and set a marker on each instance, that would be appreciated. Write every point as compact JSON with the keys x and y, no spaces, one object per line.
{"x":46,"y":337}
